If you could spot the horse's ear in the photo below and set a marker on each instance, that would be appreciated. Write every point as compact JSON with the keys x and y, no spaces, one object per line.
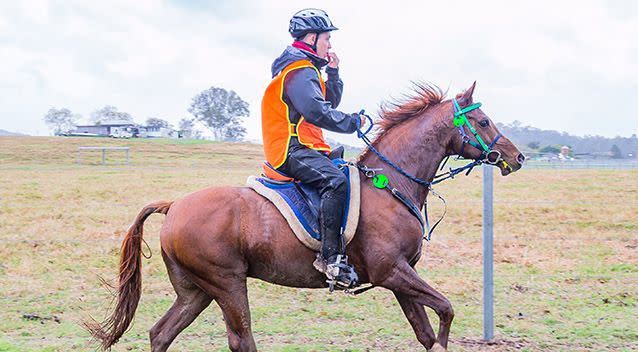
{"x":466,"y":96}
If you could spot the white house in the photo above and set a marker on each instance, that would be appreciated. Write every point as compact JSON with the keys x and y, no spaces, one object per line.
{"x":158,"y":132}
{"x":112,"y":128}
{"x":122,"y":129}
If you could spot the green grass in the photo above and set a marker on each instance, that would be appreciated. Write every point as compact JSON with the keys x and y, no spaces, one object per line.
{"x":566,"y":269}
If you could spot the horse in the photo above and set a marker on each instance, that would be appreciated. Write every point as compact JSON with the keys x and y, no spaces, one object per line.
{"x":212,"y":240}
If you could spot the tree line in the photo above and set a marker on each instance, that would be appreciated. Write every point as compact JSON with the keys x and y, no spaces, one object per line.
{"x":221,"y":111}
{"x":549,"y":141}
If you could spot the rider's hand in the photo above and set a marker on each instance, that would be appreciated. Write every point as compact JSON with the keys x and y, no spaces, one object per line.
{"x":363,"y":120}
{"x":333,"y":60}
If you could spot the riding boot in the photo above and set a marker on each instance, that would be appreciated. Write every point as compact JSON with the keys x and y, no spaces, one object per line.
{"x":331,"y":214}
{"x":332,"y":260}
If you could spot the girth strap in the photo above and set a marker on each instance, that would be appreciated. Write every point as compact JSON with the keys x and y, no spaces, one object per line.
{"x":411,"y":207}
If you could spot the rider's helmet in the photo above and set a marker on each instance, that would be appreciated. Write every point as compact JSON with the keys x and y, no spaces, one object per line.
{"x":310,"y":21}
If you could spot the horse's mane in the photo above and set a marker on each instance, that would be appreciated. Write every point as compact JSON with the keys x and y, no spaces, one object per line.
{"x":397,"y":111}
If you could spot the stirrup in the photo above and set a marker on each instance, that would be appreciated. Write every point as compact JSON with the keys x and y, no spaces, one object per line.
{"x":340,"y":275}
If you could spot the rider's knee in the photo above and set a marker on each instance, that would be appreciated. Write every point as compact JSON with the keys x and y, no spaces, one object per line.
{"x":339,"y":186}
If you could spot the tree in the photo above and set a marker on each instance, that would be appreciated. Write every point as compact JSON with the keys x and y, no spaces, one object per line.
{"x":534,"y":145}
{"x":221,"y":111}
{"x":186,"y":128}
{"x":616,"y":153}
{"x":550,"y":149}
{"x":109,"y":113}
{"x":234,"y":133}
{"x":60,"y":120}
{"x":156,"y":122}
{"x":515,"y":125}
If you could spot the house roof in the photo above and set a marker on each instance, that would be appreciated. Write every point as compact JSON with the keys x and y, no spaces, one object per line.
{"x":111,"y":123}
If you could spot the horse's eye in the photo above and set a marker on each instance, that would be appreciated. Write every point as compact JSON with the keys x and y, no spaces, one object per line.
{"x":484,"y":123}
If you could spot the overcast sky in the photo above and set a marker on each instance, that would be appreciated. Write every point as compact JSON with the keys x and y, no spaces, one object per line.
{"x":564,"y":65}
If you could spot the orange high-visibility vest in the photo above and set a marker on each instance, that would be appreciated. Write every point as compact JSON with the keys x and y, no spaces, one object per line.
{"x":275,"y":123}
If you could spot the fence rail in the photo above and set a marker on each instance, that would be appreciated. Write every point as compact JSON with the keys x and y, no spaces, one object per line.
{"x":103,"y":150}
{"x":582,"y":164}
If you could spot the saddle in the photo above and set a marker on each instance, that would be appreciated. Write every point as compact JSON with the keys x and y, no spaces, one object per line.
{"x":299,"y":203}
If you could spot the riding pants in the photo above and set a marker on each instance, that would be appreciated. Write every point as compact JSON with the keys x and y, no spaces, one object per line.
{"x":315,"y":169}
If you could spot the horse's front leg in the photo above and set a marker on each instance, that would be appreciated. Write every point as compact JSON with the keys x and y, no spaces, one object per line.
{"x":413,"y":293}
{"x":418,"y":318}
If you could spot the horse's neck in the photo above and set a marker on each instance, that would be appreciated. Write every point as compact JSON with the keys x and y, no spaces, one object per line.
{"x":417,"y":146}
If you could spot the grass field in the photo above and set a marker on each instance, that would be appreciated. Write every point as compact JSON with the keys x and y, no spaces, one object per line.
{"x":566,"y":256}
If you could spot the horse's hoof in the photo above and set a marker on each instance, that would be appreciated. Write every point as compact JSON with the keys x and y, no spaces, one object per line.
{"x":437,"y":348}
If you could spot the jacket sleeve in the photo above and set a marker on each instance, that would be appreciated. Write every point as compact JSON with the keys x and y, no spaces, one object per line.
{"x":304,"y":91}
{"x":334,"y":86}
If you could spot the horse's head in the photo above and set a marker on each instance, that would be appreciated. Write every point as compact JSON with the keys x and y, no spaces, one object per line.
{"x":478,"y":137}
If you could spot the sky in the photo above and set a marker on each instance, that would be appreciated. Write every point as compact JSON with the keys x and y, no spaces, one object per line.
{"x":563,"y":65}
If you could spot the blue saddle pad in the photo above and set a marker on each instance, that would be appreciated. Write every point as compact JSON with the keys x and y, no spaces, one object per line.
{"x":305,"y":200}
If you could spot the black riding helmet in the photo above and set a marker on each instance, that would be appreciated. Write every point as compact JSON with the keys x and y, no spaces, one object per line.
{"x":310,"y":21}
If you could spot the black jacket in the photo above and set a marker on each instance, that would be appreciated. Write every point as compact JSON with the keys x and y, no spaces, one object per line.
{"x":302,"y":93}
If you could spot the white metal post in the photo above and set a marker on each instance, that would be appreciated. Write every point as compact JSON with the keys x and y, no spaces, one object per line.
{"x":488,"y":254}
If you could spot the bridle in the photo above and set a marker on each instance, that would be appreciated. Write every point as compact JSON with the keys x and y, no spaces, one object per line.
{"x":488,"y":155}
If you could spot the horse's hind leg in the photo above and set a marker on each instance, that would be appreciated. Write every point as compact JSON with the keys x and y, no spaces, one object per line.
{"x":231,"y":294}
{"x":190,"y":302}
{"x":236,"y":312}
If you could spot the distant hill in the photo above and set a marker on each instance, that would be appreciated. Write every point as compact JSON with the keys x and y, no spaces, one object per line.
{"x":523,"y":136}
{"x":7,"y":133}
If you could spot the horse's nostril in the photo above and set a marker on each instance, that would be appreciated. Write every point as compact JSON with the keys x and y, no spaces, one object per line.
{"x":520,"y":158}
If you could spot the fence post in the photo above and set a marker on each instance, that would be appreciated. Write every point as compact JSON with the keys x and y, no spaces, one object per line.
{"x":488,"y":254}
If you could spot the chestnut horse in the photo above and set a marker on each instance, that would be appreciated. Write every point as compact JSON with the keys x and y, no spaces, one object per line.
{"x":213,"y":239}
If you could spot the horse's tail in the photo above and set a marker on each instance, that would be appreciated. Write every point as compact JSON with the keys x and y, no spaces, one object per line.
{"x":129,"y":289}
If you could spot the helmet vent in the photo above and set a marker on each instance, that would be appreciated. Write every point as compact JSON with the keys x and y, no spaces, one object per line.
{"x":310,"y":21}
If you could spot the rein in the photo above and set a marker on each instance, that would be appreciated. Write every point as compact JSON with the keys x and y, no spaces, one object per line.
{"x":380,"y":181}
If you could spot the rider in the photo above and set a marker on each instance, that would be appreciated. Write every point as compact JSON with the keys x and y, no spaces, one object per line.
{"x":297,"y":104}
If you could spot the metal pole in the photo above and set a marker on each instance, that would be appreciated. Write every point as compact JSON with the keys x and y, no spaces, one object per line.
{"x":103,"y":156}
{"x":488,"y":254}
